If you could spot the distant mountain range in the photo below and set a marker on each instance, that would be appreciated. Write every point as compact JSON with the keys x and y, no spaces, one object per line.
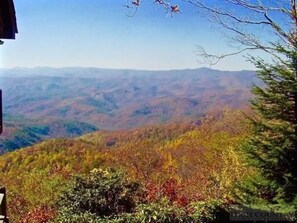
{"x":118,"y":99}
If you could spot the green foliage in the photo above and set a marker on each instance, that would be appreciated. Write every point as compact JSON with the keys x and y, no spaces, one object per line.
{"x":164,"y":212}
{"x":272,"y":147}
{"x":160,"y":212}
{"x":105,"y":196}
{"x":101,"y":194}
{"x":206,"y":212}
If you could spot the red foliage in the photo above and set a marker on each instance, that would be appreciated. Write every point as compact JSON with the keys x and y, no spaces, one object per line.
{"x":17,"y":205}
{"x":39,"y":215}
{"x":170,"y":189}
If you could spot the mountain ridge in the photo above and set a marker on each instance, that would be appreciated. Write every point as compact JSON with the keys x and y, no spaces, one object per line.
{"x":123,"y":94}
{"x":27,"y":71}
{"x":121,"y":99}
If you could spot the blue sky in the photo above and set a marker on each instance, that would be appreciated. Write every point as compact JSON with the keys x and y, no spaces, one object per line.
{"x":98,"y":33}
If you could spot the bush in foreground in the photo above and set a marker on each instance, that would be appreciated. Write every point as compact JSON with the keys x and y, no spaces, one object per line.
{"x":105,"y":196}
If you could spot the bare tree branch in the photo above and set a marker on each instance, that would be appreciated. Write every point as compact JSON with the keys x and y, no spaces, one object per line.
{"x":239,"y":18}
{"x":213,"y":59}
{"x":245,"y":21}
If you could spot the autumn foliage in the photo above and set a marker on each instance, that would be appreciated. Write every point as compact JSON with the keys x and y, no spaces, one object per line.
{"x":181,"y":163}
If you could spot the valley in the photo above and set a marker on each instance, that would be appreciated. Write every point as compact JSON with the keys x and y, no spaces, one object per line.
{"x":43,"y":103}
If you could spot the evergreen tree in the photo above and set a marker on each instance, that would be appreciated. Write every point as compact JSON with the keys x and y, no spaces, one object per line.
{"x":272,"y":148}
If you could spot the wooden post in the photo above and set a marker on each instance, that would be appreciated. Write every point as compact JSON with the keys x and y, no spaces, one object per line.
{"x":1,"y":113}
{"x":3,"y":210}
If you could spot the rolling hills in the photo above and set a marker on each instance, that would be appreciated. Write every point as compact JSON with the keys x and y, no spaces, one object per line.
{"x":115,"y":99}
{"x":112,"y":99}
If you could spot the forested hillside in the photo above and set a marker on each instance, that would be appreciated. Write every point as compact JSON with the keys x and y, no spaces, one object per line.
{"x":21,"y":132}
{"x":198,"y":162}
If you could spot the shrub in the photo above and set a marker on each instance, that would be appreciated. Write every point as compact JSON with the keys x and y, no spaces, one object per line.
{"x":105,"y":196}
{"x":101,"y":194}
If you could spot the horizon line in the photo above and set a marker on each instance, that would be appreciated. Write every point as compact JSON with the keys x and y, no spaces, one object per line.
{"x":130,"y":69}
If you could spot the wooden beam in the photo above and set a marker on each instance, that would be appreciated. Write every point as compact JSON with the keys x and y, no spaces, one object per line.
{"x":8,"y":24}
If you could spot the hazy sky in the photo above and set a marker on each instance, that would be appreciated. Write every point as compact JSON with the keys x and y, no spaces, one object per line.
{"x":98,"y":33}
